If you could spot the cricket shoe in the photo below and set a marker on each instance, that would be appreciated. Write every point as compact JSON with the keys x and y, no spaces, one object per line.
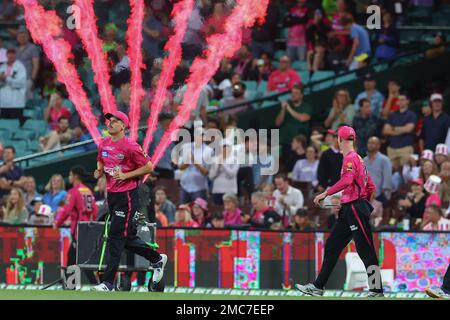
{"x":103,"y":287}
{"x":309,"y":289}
{"x":372,"y":294}
{"x":437,"y":293}
{"x":158,"y":269}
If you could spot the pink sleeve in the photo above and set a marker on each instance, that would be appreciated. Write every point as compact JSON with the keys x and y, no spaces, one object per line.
{"x":348,"y":169}
{"x":137,"y":154}
{"x":295,"y":79}
{"x":65,"y":211}
{"x":99,"y":154}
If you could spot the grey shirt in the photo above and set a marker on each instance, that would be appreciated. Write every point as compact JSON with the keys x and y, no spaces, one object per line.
{"x":380,"y":170}
{"x":26,"y":55}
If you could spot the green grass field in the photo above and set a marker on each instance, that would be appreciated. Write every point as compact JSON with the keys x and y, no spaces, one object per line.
{"x":88,"y":295}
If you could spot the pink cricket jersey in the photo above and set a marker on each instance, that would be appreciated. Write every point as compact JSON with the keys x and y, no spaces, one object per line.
{"x":80,"y":206}
{"x":355,"y":180}
{"x":125,"y":155}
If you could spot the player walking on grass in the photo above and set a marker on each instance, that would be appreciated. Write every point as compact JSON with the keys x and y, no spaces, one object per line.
{"x":124,"y":163}
{"x":444,"y":291}
{"x":353,"y":220}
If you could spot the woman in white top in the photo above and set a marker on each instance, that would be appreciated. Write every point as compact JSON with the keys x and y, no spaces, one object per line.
{"x":305,"y":170}
{"x":223,"y":174}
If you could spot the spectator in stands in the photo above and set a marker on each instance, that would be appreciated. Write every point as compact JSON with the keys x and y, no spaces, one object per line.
{"x":296,"y":20}
{"x":380,"y":170}
{"x":441,"y":47}
{"x":436,"y":125}
{"x":330,"y":165}
{"x":434,"y":221}
{"x":56,"y":192}
{"x":388,"y":39}
{"x":263,"y":35}
{"x":427,"y":169}
{"x":287,"y":199}
{"x":34,"y":217}
{"x":183,"y":218}
{"x":237,"y":98}
{"x":3,"y":51}
{"x":194,"y":159}
{"x":55,"y":110}
{"x":120,"y":72}
{"x":317,"y":31}
{"x":29,"y":186}
{"x":200,"y":212}
{"x":57,"y":138}
{"x":366,"y":124}
{"x":399,"y":129}
{"x":217,"y":220}
{"x":268,"y":189}
{"x":414,"y":203}
{"x":441,"y":154}
{"x":284,"y":78}
{"x":261,"y":68}
{"x":15,"y":211}
{"x":305,"y":170}
{"x":360,"y":42}
{"x":152,"y":28}
{"x":342,"y":111}
{"x":231,"y":212}
{"x":29,"y":54}
{"x":8,"y":10}
{"x":372,"y":94}
{"x":293,"y":119}
{"x":242,"y":63}
{"x":81,"y":134}
{"x":216,"y":22}
{"x":192,"y":43}
{"x":297,"y":151}
{"x":411,"y":170}
{"x":391,"y":103}
{"x":110,"y":34}
{"x":165,"y":165}
{"x":165,"y":205}
{"x":334,"y":211}
{"x":444,"y":174}
{"x":11,"y":174}
{"x":161,"y":218}
{"x":426,"y":111}
{"x":223,"y":173}
{"x":302,"y":222}
{"x":12,"y":87}
{"x":263,"y":216}
{"x":264,"y":167}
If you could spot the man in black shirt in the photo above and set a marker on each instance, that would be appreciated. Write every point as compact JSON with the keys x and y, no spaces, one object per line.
{"x":263,"y":36}
{"x":11,"y":175}
{"x":330,"y":164}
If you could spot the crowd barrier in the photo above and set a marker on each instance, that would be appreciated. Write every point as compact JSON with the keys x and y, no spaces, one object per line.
{"x":240,"y":259}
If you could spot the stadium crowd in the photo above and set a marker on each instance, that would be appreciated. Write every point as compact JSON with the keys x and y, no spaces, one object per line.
{"x":406,"y":154}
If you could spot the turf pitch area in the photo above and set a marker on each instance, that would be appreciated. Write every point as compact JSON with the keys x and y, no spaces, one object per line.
{"x":90,"y":295}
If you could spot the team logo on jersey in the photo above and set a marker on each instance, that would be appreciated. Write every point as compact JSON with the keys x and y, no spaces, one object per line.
{"x":349,"y":166}
{"x":105,"y":154}
{"x":119,"y":214}
{"x":353,"y":228}
{"x":120,"y":156}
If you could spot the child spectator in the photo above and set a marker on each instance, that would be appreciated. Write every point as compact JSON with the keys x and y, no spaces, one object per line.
{"x":15,"y":211}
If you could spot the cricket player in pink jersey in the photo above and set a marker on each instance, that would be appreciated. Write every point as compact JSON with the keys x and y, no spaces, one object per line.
{"x":124,"y":163}
{"x":353,"y":221}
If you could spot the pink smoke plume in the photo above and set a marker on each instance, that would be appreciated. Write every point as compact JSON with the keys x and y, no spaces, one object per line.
{"x":134,"y":41}
{"x":244,"y":14}
{"x":88,"y":33}
{"x":45,"y":29}
{"x":180,"y":14}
